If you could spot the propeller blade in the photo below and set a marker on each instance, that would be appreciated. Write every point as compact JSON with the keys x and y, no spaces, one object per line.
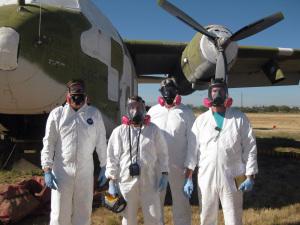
{"x":257,"y":26}
{"x":221,"y":67}
{"x":185,"y":18}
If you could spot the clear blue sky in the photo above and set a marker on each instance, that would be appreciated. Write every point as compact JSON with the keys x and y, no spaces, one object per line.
{"x":145,"y":20}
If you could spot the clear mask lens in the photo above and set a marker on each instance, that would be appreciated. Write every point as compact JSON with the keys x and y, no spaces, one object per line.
{"x":136,"y":111}
{"x":218,"y":96}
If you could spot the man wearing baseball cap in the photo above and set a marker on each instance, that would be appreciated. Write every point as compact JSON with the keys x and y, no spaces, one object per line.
{"x":72,"y":133}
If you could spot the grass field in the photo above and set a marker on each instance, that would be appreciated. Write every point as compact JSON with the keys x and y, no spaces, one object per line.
{"x":275,"y":199}
{"x":276,"y":125}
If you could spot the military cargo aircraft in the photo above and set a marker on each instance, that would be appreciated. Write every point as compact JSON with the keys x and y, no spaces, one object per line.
{"x":45,"y":43}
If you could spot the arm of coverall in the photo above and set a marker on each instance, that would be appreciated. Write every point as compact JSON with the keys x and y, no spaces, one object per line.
{"x":249,"y":150}
{"x":101,"y":146}
{"x":114,"y":148}
{"x":161,"y":151}
{"x":192,"y":148}
{"x":50,"y":139}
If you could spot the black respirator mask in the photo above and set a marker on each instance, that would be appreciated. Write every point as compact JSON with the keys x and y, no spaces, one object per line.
{"x":218,"y":99}
{"x":217,"y":94}
{"x":137,"y":118}
{"x":78,"y":99}
{"x":168,"y":93}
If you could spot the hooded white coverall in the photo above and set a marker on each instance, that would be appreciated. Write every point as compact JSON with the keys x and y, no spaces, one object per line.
{"x":70,"y":140}
{"x":143,"y":189}
{"x":222,"y":156}
{"x":176,"y":124}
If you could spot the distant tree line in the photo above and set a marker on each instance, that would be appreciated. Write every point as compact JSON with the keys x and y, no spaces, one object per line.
{"x":271,"y":108}
{"x":257,"y":109}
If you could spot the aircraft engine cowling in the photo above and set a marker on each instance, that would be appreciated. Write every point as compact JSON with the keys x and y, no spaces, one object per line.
{"x":198,"y":60}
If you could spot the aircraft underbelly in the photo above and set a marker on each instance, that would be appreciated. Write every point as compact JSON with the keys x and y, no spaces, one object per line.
{"x":29,"y":90}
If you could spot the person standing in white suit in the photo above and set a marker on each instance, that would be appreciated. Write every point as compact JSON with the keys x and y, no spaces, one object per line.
{"x":175,"y":120}
{"x":73,"y":131}
{"x":137,"y":164}
{"x":223,"y":146}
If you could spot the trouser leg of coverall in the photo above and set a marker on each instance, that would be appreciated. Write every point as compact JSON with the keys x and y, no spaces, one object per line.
{"x":232,"y":205}
{"x":83,"y":197}
{"x":130,"y":212}
{"x":61,"y":200}
{"x":150,"y":201}
{"x":181,"y":206}
{"x":210,"y":205}
{"x":199,"y":198}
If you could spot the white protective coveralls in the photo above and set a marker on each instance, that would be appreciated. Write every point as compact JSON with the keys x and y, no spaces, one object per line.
{"x":176,"y":124}
{"x":70,"y":140}
{"x":143,"y":189}
{"x":222,"y":156}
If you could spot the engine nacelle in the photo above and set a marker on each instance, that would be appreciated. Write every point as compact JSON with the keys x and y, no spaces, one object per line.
{"x":198,"y":60}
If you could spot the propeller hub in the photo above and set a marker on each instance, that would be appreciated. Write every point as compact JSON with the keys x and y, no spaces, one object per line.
{"x":210,"y":48}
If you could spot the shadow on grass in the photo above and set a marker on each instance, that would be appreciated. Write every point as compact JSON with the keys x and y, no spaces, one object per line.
{"x":269,"y":144}
{"x":262,"y":128}
{"x":276,"y":185}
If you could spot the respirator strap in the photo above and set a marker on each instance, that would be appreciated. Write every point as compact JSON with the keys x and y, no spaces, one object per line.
{"x":137,"y":144}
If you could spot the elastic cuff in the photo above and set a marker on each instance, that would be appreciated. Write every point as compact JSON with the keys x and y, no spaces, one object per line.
{"x":190,"y":166}
{"x":46,"y":168}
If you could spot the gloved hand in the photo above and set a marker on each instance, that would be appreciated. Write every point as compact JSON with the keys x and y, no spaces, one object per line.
{"x":188,"y":187}
{"x":163,"y":182}
{"x":50,"y":180}
{"x":112,"y":188}
{"x":247,"y":185}
{"x":102,"y":178}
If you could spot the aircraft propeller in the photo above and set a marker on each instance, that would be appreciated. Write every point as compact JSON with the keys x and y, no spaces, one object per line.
{"x":220,"y":42}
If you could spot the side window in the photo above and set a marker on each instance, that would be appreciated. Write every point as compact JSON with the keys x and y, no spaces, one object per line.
{"x":117,"y":58}
{"x":113,"y":85}
{"x":9,"y":42}
{"x":125,"y":84}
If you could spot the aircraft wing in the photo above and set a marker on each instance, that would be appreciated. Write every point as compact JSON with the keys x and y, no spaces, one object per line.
{"x":152,"y":58}
{"x":248,"y":68}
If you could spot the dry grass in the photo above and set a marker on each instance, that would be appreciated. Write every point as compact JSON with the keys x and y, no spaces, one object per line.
{"x":286,"y":125}
{"x":289,"y":215}
{"x":275,"y":199}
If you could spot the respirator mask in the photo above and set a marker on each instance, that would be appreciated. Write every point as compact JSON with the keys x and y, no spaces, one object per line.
{"x":78,"y":99}
{"x":168,"y":93}
{"x":136,"y":111}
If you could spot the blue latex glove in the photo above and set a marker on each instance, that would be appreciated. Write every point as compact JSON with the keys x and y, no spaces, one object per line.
{"x":247,"y":185}
{"x":113,"y":188}
{"x":163,"y":182}
{"x":50,"y":180}
{"x":188,"y":187}
{"x":102,"y":178}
